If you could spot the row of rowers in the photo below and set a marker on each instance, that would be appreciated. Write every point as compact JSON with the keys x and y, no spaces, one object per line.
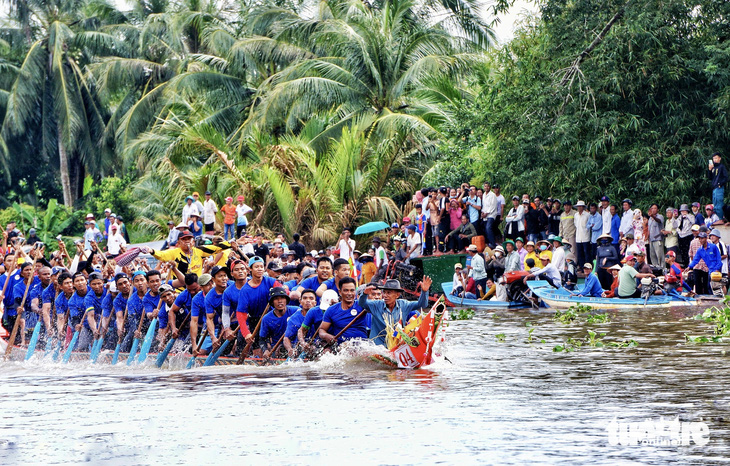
{"x":241,"y":304}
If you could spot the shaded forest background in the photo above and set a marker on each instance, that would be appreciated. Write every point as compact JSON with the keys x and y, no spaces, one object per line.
{"x":332,"y":113}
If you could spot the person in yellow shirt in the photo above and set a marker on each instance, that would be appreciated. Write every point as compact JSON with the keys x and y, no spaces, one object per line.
{"x":187,"y":257}
{"x":531,"y":254}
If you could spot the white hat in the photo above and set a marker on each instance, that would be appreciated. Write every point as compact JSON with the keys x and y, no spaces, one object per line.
{"x":473,"y":248}
{"x":182,"y":225}
{"x":580,"y":204}
{"x":107,"y":210}
{"x":588,"y":265}
{"x":313,"y":253}
{"x":329,"y":297}
{"x":89,"y":215}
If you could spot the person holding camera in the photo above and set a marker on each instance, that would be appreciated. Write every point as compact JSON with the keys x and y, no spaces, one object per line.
{"x":718,"y":176}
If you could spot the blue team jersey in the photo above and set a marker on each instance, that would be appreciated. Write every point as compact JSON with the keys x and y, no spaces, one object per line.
{"x":293,"y":325}
{"x":150,"y":303}
{"x":185,"y":302}
{"x":313,"y":319}
{"x":61,"y":303}
{"x":76,"y":306}
{"x":18,"y":292}
{"x":230,"y":299}
{"x":48,"y":296}
{"x":214,"y":306}
{"x":135,"y":304}
{"x":197,"y":309}
{"x":107,"y":308}
{"x":9,"y":299}
{"x":120,"y":304}
{"x":273,"y":327}
{"x":255,"y":300}
{"x":339,"y":318}
{"x":92,"y":301}
{"x":331,"y":285}
{"x":312,"y":283}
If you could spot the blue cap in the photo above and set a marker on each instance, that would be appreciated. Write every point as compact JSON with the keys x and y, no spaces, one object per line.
{"x":411,"y":227}
{"x":139,"y":272}
{"x":395,"y":225}
{"x":57,"y":269}
{"x":254,"y":260}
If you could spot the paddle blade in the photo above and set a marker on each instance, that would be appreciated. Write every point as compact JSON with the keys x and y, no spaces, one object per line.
{"x":191,"y":363}
{"x":147,"y":341}
{"x":125,"y":259}
{"x":163,"y":356}
{"x":214,"y":357}
{"x":133,"y":352}
{"x":115,"y":358}
{"x":33,"y":341}
{"x":96,"y":349}
{"x":67,"y":354}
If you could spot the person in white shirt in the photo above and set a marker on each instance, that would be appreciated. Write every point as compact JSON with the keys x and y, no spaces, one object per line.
{"x":558,"y":254}
{"x":582,"y":235}
{"x":115,"y":241}
{"x":548,"y":271}
{"x":489,"y":214}
{"x":413,"y":243}
{"x":209,"y":210}
{"x":605,"y":210}
{"x":189,"y":208}
{"x":346,"y":245}
{"x":197,"y":202}
{"x":627,"y":219}
{"x":241,"y":221}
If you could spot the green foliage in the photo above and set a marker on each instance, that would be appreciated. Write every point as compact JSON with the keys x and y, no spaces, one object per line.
{"x":501,"y":337}
{"x":113,"y":193}
{"x":462,"y":314}
{"x":49,"y":223}
{"x":593,"y":340}
{"x":637,"y":117}
{"x":720,"y":317}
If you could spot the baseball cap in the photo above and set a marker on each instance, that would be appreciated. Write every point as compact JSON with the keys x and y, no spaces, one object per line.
{"x":217,"y":269}
{"x":229,"y":198}
{"x":273,"y":267}
{"x":395,"y":225}
{"x":207,"y":193}
{"x":240,"y":198}
{"x":458,"y":266}
{"x":588,"y":265}
{"x":604,"y":199}
{"x":254,"y":260}
{"x":671,"y":254}
{"x":57,"y":269}
{"x":406,"y":219}
{"x":195,"y":193}
{"x":204,"y":279}
{"x":702,"y":234}
{"x":107,"y":210}
{"x":165,"y":289}
{"x":695,"y":204}
{"x":185,"y":234}
{"x":695,"y":227}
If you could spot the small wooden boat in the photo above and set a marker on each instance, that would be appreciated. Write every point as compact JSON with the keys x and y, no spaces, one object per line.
{"x":560,"y":298}
{"x":455,"y":301}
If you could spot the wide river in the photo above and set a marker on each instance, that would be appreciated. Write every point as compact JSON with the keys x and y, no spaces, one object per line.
{"x":503,"y":397}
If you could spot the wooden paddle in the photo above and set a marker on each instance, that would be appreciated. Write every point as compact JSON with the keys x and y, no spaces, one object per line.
{"x":149,"y":336}
{"x":212,"y":358}
{"x":347,"y":327}
{"x":275,"y":347}
{"x":163,"y":355}
{"x":135,"y":343}
{"x":18,"y":316}
{"x":191,"y":363}
{"x":247,"y":348}
{"x":115,"y":358}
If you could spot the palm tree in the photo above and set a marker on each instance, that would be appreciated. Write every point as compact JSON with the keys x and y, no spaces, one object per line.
{"x":54,"y":92}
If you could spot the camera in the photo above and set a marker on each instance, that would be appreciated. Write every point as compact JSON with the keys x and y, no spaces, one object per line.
{"x":38,"y":245}
{"x":59,"y":238}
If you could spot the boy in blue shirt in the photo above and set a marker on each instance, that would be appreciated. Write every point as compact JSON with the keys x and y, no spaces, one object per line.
{"x":273,"y":324}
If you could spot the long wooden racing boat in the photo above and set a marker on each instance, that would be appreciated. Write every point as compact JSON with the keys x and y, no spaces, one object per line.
{"x":408,"y":348}
{"x":560,"y":298}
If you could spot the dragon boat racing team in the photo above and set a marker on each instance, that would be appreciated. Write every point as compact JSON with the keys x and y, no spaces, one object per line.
{"x":267,"y":297}
{"x":205,"y":289}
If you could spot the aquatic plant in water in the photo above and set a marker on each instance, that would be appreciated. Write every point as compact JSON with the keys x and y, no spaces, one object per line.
{"x":463,"y":314}
{"x":574,"y":313}
{"x":714,"y":315}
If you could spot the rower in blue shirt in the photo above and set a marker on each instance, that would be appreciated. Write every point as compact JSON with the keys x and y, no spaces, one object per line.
{"x":292,"y":338}
{"x":179,"y":314}
{"x":135,"y":310}
{"x":273,"y":324}
{"x":198,"y":316}
{"x":214,"y":307}
{"x":592,"y":286}
{"x":77,"y":320}
{"x":229,"y":315}
{"x":93,"y":303}
{"x":108,"y":321}
{"x":342,"y":314}
{"x":119,"y":306}
{"x":18,"y":292}
{"x":66,"y":285}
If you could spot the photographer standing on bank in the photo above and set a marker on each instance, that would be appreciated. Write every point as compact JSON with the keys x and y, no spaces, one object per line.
{"x":718,"y":175}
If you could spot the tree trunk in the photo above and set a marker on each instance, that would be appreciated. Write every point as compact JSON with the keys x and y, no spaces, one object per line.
{"x":63,"y":165}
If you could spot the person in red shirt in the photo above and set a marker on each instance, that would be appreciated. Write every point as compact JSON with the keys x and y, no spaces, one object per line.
{"x":229,"y":221}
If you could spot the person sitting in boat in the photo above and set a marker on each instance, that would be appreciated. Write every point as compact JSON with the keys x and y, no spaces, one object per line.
{"x":611,"y":293}
{"x":627,"y":276}
{"x":456,"y":283}
{"x":641,"y":265}
{"x":469,"y":286}
{"x":390,"y":308}
{"x":591,"y":287}
{"x":606,"y":257}
{"x":273,"y":324}
{"x":548,"y":272}
{"x":313,"y":319}
{"x":476,"y":265}
{"x":531,"y":254}
{"x":342,"y":314}
{"x":495,"y":264}
{"x":512,"y":257}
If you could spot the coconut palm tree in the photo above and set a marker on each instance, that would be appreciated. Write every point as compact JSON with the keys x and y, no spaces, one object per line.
{"x":53,"y":91}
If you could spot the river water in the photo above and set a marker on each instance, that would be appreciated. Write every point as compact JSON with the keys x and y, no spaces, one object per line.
{"x":500,"y":398}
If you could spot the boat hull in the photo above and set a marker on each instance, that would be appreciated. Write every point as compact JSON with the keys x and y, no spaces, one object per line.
{"x":561,"y":299}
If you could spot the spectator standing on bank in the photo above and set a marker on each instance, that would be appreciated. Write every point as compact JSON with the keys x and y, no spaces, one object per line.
{"x":718,"y":176}
{"x":209,"y":210}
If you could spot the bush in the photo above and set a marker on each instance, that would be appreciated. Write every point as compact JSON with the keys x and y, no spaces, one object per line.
{"x":113,"y":193}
